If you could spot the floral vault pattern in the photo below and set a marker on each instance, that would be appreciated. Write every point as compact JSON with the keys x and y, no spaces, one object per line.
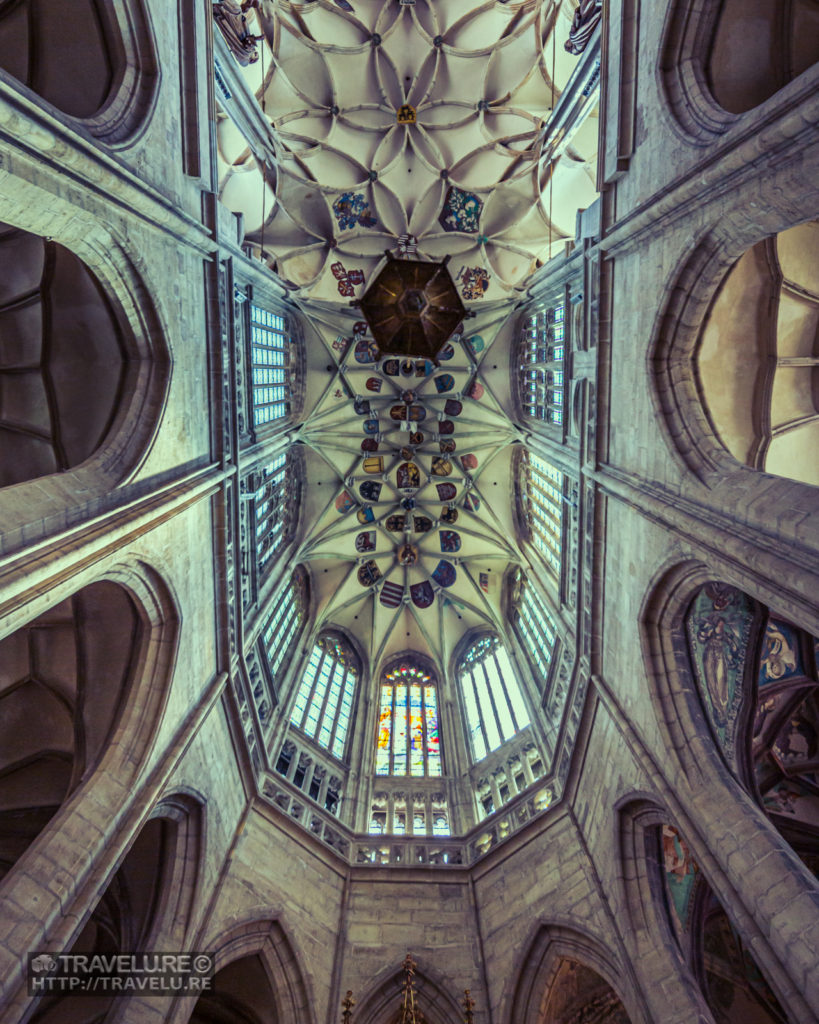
{"x":466,"y":176}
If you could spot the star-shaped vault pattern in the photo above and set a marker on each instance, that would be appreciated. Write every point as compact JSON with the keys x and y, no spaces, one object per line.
{"x":423,"y":120}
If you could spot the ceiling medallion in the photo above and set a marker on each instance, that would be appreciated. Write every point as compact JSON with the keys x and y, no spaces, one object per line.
{"x":405,"y":114}
{"x":412,"y":308}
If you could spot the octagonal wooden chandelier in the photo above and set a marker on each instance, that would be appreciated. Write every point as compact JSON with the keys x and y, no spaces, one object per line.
{"x":413,"y":308}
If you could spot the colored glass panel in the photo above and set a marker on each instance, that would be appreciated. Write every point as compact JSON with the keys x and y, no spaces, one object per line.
{"x":399,"y":743}
{"x":433,"y":743}
{"x":382,"y":757}
{"x":416,"y":732}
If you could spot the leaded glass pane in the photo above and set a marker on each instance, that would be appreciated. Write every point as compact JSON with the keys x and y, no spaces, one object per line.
{"x":408,"y":739}
{"x":544,"y":500}
{"x":493,"y":701}
{"x":540,"y":366}
{"x":269,"y":365}
{"x":326,"y":692}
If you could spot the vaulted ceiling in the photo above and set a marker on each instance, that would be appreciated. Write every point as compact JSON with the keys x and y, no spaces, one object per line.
{"x":409,"y":130}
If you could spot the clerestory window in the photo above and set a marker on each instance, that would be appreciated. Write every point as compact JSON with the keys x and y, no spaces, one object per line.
{"x":324,"y":703}
{"x":274,"y":511}
{"x":542,"y":487}
{"x":536,"y":630}
{"x":270,"y":365}
{"x":493,"y":702}
{"x":540,"y":364}
{"x":281,"y":631}
{"x":408,"y":730}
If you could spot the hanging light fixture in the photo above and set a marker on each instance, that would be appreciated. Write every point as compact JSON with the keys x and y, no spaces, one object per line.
{"x":413,"y":308}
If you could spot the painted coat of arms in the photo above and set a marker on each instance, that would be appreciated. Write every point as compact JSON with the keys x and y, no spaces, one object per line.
{"x":461,"y":210}
{"x":352,"y":209}
{"x":474,"y":282}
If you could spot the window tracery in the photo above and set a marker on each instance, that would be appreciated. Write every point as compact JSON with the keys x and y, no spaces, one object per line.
{"x":408,"y":729}
{"x":493,"y":702}
{"x":536,"y":630}
{"x":274,"y":513}
{"x":542,"y":487}
{"x":540,"y":368}
{"x":280,"y":633}
{"x":270,"y":365}
{"x":324,"y":701}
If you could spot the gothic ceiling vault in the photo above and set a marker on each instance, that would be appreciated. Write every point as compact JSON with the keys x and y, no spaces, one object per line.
{"x":412,"y":131}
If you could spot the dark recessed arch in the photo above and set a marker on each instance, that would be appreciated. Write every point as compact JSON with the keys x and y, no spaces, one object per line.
{"x":381,"y":1003}
{"x":555,"y":951}
{"x":84,"y":369}
{"x":260,"y":949}
{"x":94,"y":60}
{"x":722,"y":58}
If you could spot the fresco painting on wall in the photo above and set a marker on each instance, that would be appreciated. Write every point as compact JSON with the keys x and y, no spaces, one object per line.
{"x":718,"y":624}
{"x":780,"y":653}
{"x":681,"y":875}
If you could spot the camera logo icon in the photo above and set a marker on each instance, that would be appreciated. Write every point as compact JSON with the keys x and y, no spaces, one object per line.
{"x":43,"y":962}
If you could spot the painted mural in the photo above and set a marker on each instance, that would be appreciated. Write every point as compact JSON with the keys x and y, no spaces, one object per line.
{"x":718,"y":625}
{"x":681,"y":875}
{"x":780,"y":658}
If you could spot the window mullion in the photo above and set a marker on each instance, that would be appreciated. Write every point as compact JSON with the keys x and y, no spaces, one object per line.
{"x":313,"y":685}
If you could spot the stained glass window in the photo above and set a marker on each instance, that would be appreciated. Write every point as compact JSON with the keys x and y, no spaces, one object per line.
{"x":269,"y":364}
{"x":536,"y":630}
{"x":281,"y":631}
{"x":493,"y":702}
{"x":324,"y":702}
{"x":540,"y":366}
{"x":543,"y":492}
{"x":408,"y":733}
{"x":274,"y":517}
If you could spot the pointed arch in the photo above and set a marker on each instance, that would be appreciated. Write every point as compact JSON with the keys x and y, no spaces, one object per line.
{"x":99,"y":313}
{"x":705,"y":90}
{"x":109,"y":46}
{"x":699,"y":430}
{"x":265,"y":938}
{"x":553,"y":945}
{"x":433,"y":996}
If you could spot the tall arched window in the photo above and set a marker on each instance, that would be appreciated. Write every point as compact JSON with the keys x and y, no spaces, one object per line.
{"x":274,"y":510}
{"x":408,"y":728}
{"x":280,"y":633}
{"x":536,"y":630}
{"x":325,"y":699}
{"x":269,"y":365}
{"x":493,"y":702}
{"x":542,"y":492}
{"x":540,"y":363}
